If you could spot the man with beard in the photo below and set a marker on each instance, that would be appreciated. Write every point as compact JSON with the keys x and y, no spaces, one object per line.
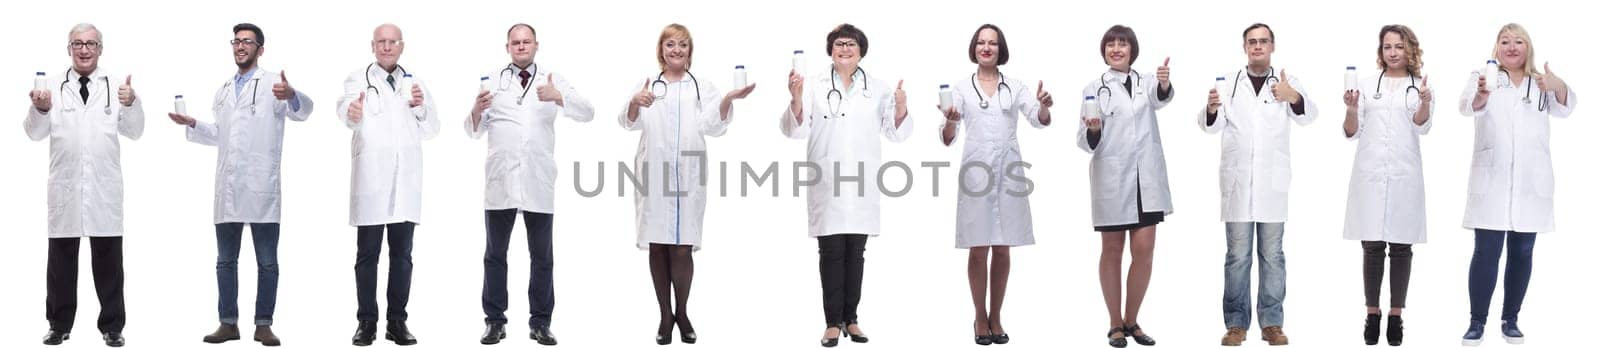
{"x":248,"y":134}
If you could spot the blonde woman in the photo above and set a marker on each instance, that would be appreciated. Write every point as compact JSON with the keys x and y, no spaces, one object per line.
{"x":1388,"y":113}
{"x":1512,"y":187}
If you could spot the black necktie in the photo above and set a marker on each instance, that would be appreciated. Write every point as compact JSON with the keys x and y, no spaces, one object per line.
{"x":391,"y":83}
{"x":1128,"y":84}
{"x":83,"y":88}
{"x":525,"y":75}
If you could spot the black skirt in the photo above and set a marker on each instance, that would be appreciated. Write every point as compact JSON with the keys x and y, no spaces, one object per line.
{"x":1150,"y":218}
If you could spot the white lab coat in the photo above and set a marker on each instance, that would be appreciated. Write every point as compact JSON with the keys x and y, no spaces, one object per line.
{"x":1512,"y":185}
{"x":386,"y":147}
{"x":994,"y":217}
{"x":248,"y":135}
{"x":1129,"y":166}
{"x":850,"y":143}
{"x":1254,"y":170}
{"x":520,"y":170}
{"x":1386,"y":200}
{"x":85,"y":185}
{"x":672,"y":208}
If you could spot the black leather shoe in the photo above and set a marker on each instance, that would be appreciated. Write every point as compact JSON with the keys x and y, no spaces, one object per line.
{"x":1396,"y":330}
{"x":983,"y":338}
{"x":56,"y":337}
{"x":366,"y":332}
{"x":862,"y":338}
{"x":493,"y":333}
{"x":224,"y":333}
{"x":543,"y":335}
{"x":1133,"y":331}
{"x":113,"y":339}
{"x":399,"y":333}
{"x":1117,"y":342}
{"x":266,"y":337}
{"x":1000,"y":339}
{"x":687,"y":337}
{"x":1369,"y":333}
{"x":832,"y":342}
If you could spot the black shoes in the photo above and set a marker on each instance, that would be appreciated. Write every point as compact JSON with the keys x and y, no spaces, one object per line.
{"x":493,"y":333}
{"x":1370,"y":332}
{"x":113,"y":339}
{"x":366,"y":332}
{"x":834,"y":341}
{"x":1396,"y":330}
{"x":1134,"y":332}
{"x":56,"y":337}
{"x":224,"y":333}
{"x":982,"y":338}
{"x":854,"y":337}
{"x":543,"y":336}
{"x":399,"y":333}
{"x":1118,"y":342}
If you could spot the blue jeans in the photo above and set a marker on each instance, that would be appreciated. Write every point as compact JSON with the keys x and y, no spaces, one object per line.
{"x":1268,"y":239}
{"x":265,"y":237}
{"x":1485,"y":265}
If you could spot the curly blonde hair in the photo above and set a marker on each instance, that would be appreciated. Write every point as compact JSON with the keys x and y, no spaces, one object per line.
{"x":1412,"y":47}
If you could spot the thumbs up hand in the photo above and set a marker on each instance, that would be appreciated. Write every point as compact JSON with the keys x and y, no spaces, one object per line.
{"x":1549,"y":82}
{"x":644,"y":98}
{"x":356,"y":107}
{"x":548,"y":91}
{"x":900,"y":101}
{"x":1424,"y":92}
{"x":125,"y":95}
{"x":282,"y":90}
{"x":1284,"y":91}
{"x":1164,"y":74}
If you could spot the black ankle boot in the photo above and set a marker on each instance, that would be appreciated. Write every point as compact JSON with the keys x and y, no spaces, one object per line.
{"x":1396,"y":330}
{"x":1371,"y":331}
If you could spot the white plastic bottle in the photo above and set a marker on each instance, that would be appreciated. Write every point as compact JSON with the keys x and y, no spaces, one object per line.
{"x":177,"y":105}
{"x":800,"y":62}
{"x":1222,"y":85}
{"x":945,"y":97}
{"x":1351,"y":81}
{"x":1094,"y":108}
{"x":1491,"y":74}
{"x":408,"y":82}
{"x":483,"y":84}
{"x":739,"y":77}
{"x":39,"y":83}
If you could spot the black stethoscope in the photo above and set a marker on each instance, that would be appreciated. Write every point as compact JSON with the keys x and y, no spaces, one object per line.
{"x":369,"y":76}
{"x":1272,"y":79}
{"x":65,"y":78}
{"x":1413,"y":94}
{"x":659,"y":87}
{"x":255,"y":82}
{"x":1527,"y":93}
{"x":505,"y":80}
{"x":835,"y":104}
{"x":984,"y":103}
{"x":1104,"y":92}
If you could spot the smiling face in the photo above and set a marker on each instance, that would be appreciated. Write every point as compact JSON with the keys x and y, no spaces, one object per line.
{"x":246,"y":49}
{"x":676,"y":52}
{"x":846,"y":53}
{"x":1259,"y":45}
{"x":1118,"y":54}
{"x":987,"y":48}
{"x":1396,"y":55}
{"x":521,"y":45}
{"x":84,"y":48}
{"x":387,"y":45}
{"x":1512,"y":50}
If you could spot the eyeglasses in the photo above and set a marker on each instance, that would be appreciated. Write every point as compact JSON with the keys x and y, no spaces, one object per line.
{"x":1254,"y":42}
{"x":243,"y":42}
{"x":91,"y":45}
{"x":388,"y":43}
{"x":844,"y":44}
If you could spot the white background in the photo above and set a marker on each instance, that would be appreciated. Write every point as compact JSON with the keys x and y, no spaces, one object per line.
{"x":756,"y":281}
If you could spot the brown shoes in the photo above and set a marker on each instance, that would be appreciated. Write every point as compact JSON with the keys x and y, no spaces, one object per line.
{"x":266,"y":337}
{"x":224,"y":333}
{"x":1235,"y":337}
{"x":1274,"y":336}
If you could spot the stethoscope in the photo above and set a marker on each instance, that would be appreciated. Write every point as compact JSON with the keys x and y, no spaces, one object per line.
{"x":1104,"y":92}
{"x":103,"y":79}
{"x":1413,"y":94}
{"x":659,"y":87}
{"x":835,"y":104}
{"x":1527,"y":93}
{"x":505,"y":81}
{"x":255,"y":82}
{"x":1272,"y":79}
{"x":982,"y":102}
{"x":369,"y":76}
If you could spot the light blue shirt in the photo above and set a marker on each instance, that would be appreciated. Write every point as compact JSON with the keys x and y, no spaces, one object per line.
{"x":241,"y":79}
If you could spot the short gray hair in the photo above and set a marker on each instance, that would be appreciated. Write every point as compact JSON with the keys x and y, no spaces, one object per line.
{"x":83,"y":28}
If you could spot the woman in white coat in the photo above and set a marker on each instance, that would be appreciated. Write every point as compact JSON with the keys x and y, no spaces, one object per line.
{"x":674,"y":112}
{"x":1512,"y":186}
{"x":841,"y":113}
{"x":1127,"y":175}
{"x":1389,"y":112}
{"x":993,"y":220}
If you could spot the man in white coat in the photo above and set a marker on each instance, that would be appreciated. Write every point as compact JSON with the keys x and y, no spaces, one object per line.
{"x":248,"y":135}
{"x":85,"y":186}
{"x":1254,"y":120}
{"x":391,"y":113}
{"x":520,"y":176}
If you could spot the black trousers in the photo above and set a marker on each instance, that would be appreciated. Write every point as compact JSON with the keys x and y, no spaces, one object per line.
{"x":369,"y":245}
{"x":1372,"y":272}
{"x":841,"y":263}
{"x":541,"y":289}
{"x":61,"y":284}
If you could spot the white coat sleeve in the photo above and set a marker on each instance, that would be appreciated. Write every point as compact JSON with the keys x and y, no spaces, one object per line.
{"x":886,"y":113}
{"x":711,"y":121}
{"x":1433,"y":112}
{"x":1471,"y":91}
{"x":574,"y":105}
{"x":1027,"y":102}
{"x":957,"y":99}
{"x":1558,"y":110}
{"x":130,"y":119}
{"x":1305,"y":97}
{"x":285,"y":108}
{"x":203,"y":133}
{"x":353,"y":89}
{"x":475,"y":130}
{"x":797,"y":129}
{"x":1083,"y":114}
{"x":37,"y":125}
{"x":427,"y":115}
{"x":1155,"y":93}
